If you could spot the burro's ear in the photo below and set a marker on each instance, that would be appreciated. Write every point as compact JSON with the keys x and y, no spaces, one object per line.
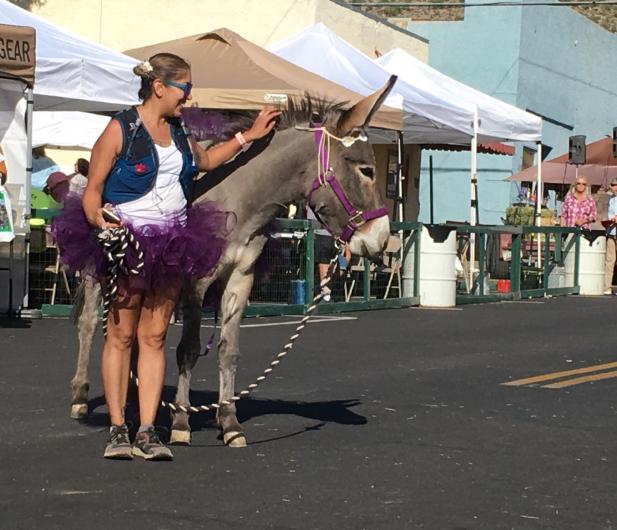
{"x":361,"y":113}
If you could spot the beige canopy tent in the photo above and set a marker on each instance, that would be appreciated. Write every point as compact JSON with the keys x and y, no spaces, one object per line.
{"x":230,"y":72}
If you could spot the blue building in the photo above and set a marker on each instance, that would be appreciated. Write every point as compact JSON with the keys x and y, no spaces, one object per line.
{"x":548,"y":60}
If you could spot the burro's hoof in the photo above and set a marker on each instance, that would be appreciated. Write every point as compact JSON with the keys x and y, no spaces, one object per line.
{"x":234,"y":439}
{"x":79,"y":411}
{"x":180,"y":437}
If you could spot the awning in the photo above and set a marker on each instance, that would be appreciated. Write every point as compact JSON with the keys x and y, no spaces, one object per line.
{"x":600,"y":168}
{"x":489,"y":148}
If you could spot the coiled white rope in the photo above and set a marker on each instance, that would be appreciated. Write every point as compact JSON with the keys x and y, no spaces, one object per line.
{"x":115,"y":242}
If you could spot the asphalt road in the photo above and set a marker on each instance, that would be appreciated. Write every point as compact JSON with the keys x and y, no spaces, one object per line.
{"x":392,"y":419}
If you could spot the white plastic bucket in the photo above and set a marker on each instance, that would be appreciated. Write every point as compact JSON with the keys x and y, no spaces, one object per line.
{"x":437,"y":270}
{"x":590,"y":267}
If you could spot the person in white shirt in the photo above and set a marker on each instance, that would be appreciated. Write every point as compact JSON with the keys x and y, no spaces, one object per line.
{"x":611,"y":237}
{"x":79,"y":179}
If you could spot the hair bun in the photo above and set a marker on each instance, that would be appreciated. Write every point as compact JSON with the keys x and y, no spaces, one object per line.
{"x":143,"y":70}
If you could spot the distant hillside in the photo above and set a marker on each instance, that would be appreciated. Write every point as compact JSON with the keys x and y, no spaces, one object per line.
{"x":605,"y":16}
{"x":418,"y":13}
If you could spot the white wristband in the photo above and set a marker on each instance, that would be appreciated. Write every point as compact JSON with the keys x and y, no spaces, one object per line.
{"x":241,"y":139}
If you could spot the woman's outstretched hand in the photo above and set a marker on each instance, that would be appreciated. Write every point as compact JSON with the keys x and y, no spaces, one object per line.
{"x":263,"y":124}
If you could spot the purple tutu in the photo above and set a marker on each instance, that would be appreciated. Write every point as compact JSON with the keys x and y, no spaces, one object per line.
{"x":171,"y":251}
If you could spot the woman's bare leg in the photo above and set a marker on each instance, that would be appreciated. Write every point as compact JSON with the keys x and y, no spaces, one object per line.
{"x":151,"y":331}
{"x":116,"y":358}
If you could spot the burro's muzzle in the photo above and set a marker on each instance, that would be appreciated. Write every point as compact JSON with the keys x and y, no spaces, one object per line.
{"x":371,"y":238}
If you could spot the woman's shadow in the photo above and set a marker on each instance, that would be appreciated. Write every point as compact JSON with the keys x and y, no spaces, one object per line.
{"x":336,"y":411}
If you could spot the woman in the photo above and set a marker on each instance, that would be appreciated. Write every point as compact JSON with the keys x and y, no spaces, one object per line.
{"x":79,"y":179}
{"x":57,"y":186}
{"x":579,"y":207}
{"x":141,"y":169}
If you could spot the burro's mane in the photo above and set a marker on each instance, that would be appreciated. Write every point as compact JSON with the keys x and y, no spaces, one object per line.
{"x":217,"y":126}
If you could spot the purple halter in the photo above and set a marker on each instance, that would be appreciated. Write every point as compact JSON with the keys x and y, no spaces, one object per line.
{"x":356,"y":217}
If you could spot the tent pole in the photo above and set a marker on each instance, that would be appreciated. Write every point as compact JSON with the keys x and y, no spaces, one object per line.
{"x":399,"y":176}
{"x":28,"y":189}
{"x":474,"y":198}
{"x":430,"y":186}
{"x":539,"y":197}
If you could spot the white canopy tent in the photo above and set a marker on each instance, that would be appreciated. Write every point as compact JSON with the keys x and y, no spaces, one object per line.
{"x":497,"y":120}
{"x":72,"y":73}
{"x":428,"y":118}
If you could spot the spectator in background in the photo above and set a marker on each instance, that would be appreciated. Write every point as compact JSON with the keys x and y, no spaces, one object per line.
{"x":579,"y":208}
{"x":79,"y":179}
{"x":611,"y":237}
{"x":58,"y":186}
{"x":42,"y":167}
{"x":325,"y":251}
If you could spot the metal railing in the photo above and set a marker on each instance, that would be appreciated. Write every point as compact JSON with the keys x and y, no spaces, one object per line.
{"x":365,"y":285}
{"x":288,"y":268}
{"x":529,"y":260}
{"x":533,"y":262}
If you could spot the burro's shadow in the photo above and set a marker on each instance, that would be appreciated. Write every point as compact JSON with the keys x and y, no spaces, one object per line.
{"x":336,"y":411}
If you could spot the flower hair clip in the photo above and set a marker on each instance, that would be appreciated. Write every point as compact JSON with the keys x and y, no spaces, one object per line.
{"x":144,"y":70}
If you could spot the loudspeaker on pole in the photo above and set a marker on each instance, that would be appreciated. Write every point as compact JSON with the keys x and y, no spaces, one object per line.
{"x":577,"y":150}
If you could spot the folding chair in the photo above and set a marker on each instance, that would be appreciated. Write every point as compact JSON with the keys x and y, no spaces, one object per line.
{"x":392,"y":260}
{"x":355,"y":269}
{"x":58,"y":272}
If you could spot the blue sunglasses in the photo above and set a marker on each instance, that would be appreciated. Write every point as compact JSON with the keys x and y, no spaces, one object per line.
{"x":185,"y":87}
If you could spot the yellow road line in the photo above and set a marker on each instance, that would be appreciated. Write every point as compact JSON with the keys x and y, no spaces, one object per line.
{"x":559,"y":375}
{"x":580,"y":380}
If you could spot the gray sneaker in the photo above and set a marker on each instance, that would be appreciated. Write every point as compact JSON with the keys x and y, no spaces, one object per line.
{"x":148,"y":446}
{"x":119,"y":445}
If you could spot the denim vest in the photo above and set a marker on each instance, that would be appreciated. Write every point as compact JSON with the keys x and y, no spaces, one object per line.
{"x":134,"y":173}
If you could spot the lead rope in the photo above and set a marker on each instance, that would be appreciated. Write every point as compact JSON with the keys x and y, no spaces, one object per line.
{"x":332,"y":266}
{"x":115,"y":242}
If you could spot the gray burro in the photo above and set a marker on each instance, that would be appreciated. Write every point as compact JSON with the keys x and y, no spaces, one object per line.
{"x":278,"y":170}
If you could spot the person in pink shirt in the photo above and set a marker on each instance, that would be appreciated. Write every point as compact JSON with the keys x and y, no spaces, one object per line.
{"x":579,"y":207}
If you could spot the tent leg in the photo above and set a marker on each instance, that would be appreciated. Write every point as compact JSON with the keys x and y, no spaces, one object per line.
{"x":399,"y":177}
{"x":28,"y":191}
{"x":539,"y":197}
{"x":430,"y":187}
{"x":474,"y":199}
